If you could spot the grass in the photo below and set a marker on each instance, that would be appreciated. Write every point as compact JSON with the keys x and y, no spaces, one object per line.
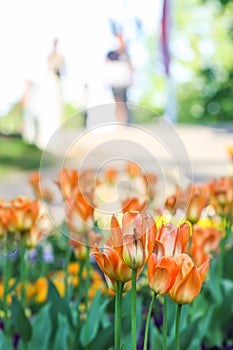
{"x":17,"y":156}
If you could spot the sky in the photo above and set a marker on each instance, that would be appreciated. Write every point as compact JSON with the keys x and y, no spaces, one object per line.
{"x":28,"y":27}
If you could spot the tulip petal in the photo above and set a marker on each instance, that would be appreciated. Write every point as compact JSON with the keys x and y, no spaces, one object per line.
{"x":183,"y":235}
{"x":203,"y":269}
{"x":151,"y":266}
{"x":159,"y":249}
{"x":132,"y":223}
{"x":167,"y":237}
{"x":115,"y":240}
{"x":188,"y":288}
{"x":133,"y":252}
{"x":160,"y":281}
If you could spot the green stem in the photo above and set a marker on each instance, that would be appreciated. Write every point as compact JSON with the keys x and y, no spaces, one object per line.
{"x":178,"y":313}
{"x":88,"y":279}
{"x":80,"y":280}
{"x":133,"y":314}
{"x":121,"y":287}
{"x":148,"y":321}
{"x":23,"y":273}
{"x":117,"y":334}
{"x":87,"y":286}
{"x":43,"y":263}
{"x":25,"y":345}
{"x":68,"y":255}
{"x":165,"y":323}
{"x":79,"y":289}
{"x":6,"y":279}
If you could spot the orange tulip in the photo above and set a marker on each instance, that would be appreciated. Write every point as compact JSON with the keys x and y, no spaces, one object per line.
{"x":34,"y":236}
{"x":111,"y":264}
{"x":110,"y":175}
{"x":24,"y":214}
{"x":138,"y":238}
{"x":39,"y":191}
{"x":174,"y":239}
{"x":181,"y":199}
{"x":151,"y":181}
{"x":161,"y":273}
{"x":80,"y":213}
{"x":133,"y":169}
{"x":205,"y":241}
{"x":133,"y":204}
{"x":79,"y":244}
{"x":4,"y":217}
{"x":189,"y":280}
{"x":34,"y":180}
{"x":198,"y":201}
{"x":111,"y":283}
{"x":222,"y":194}
{"x":174,"y":201}
{"x":193,"y":200}
{"x":68,"y":181}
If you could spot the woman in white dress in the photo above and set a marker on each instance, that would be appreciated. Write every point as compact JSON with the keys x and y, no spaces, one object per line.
{"x":52,"y":101}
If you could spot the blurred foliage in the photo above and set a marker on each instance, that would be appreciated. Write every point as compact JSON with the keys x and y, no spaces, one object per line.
{"x":73,"y":116}
{"x":17,"y":155}
{"x":206,"y":95}
{"x":202,"y":64}
{"x":12,"y":122}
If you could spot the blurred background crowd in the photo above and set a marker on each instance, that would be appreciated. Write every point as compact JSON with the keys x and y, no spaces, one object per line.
{"x":59,"y":59}
{"x":181,"y":56}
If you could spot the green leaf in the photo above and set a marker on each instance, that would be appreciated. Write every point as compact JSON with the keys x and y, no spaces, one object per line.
{"x":91,"y":326}
{"x":20,"y":322}
{"x":5,"y":343}
{"x":58,"y":304}
{"x":213,"y":284}
{"x":61,"y":338}
{"x":222,"y":315}
{"x":156,"y":338}
{"x":41,"y":326}
{"x":186,"y":336}
{"x":104,"y":339}
{"x":64,"y":229}
{"x":123,"y":346}
{"x":139,"y":314}
{"x":227,"y":263}
{"x":171,"y":312}
{"x":126,"y":314}
{"x":184,"y":317}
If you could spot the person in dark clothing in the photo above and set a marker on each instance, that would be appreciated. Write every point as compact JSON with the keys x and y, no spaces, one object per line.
{"x":121,"y":78}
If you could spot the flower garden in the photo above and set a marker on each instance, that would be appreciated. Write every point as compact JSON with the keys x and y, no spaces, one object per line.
{"x":145,"y":276}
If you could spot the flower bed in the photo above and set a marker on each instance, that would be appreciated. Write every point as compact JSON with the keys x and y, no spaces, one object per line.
{"x":141,"y":276}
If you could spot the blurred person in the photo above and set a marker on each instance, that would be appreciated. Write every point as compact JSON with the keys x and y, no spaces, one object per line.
{"x":119,"y":77}
{"x":30,"y":111}
{"x":52,"y":109}
{"x":85,"y":101}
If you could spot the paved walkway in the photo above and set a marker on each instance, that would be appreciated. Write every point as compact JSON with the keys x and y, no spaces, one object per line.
{"x":183,"y":152}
